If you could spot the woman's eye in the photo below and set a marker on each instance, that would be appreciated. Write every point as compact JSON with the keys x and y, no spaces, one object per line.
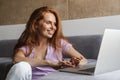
{"x":48,"y":22}
{"x":55,"y":24}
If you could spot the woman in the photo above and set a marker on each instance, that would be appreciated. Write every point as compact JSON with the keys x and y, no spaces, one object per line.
{"x":41,"y":46}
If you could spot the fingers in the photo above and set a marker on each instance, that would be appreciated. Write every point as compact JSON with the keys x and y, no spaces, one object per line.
{"x":75,"y":60}
{"x":66,"y":64}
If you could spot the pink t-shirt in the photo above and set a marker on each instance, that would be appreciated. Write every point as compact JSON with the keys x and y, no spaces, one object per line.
{"x":40,"y":71}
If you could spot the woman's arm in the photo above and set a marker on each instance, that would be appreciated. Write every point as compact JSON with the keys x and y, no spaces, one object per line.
{"x":20,"y":56}
{"x":74,"y":53}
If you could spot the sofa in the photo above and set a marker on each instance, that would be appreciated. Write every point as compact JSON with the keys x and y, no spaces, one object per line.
{"x":88,"y":45}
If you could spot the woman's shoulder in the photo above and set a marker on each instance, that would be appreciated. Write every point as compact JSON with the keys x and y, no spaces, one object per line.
{"x":63,"y":41}
{"x":24,"y":49}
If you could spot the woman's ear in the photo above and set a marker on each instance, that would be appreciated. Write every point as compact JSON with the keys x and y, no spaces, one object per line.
{"x":34,"y":27}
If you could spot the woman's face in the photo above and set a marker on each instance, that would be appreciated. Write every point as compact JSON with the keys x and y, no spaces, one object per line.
{"x":47,"y":25}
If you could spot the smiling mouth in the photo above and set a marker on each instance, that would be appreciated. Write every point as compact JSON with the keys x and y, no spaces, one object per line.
{"x":50,"y":32}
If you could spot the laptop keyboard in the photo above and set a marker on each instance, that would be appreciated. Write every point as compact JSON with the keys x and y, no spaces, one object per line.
{"x":89,"y":69}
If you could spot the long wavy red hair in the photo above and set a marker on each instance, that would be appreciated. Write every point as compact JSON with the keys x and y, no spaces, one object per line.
{"x":31,"y":37}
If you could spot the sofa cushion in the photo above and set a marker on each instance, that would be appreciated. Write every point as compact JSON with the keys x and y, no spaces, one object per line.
{"x":6,"y":47}
{"x":88,"y":45}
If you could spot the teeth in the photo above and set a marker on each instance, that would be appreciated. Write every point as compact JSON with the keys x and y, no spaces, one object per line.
{"x":51,"y":32}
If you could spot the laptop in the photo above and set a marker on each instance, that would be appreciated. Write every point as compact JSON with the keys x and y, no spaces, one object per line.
{"x":108,"y":57}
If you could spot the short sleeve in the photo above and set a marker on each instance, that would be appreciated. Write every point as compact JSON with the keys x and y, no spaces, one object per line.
{"x":65,"y":46}
{"x":24,"y":49}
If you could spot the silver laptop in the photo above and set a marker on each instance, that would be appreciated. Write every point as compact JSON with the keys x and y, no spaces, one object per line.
{"x":108,"y":57}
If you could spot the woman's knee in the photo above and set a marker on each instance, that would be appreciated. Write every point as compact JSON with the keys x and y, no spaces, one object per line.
{"x":22,"y":65}
{"x":22,"y":68}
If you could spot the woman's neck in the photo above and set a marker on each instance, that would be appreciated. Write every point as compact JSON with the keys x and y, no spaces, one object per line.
{"x":43,"y":42}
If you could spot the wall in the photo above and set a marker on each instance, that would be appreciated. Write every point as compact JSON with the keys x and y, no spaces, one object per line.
{"x":18,"y":11}
{"x":86,"y":26}
{"x":90,"y":26}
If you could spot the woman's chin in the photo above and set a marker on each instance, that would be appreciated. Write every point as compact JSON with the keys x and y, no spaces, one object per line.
{"x":50,"y":36}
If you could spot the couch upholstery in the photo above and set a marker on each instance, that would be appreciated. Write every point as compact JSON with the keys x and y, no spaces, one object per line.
{"x":88,"y":45}
{"x":6,"y":51}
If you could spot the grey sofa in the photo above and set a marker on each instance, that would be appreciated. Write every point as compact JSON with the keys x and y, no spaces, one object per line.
{"x":88,"y":45}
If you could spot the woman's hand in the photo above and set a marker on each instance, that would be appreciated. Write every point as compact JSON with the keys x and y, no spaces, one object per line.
{"x":65,"y":64}
{"x":60,"y":64}
{"x":83,"y":62}
{"x":75,"y":61}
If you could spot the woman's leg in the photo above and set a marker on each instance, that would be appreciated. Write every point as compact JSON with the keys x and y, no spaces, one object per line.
{"x":20,"y":71}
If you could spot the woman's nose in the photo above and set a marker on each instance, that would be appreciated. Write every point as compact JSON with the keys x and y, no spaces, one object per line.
{"x":53,"y":26}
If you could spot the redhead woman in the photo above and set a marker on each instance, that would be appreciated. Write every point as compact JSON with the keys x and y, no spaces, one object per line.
{"x":41,"y":46}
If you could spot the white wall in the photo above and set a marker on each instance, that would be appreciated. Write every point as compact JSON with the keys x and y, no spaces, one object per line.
{"x":86,"y":26}
{"x":90,"y":26}
{"x":11,"y":31}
